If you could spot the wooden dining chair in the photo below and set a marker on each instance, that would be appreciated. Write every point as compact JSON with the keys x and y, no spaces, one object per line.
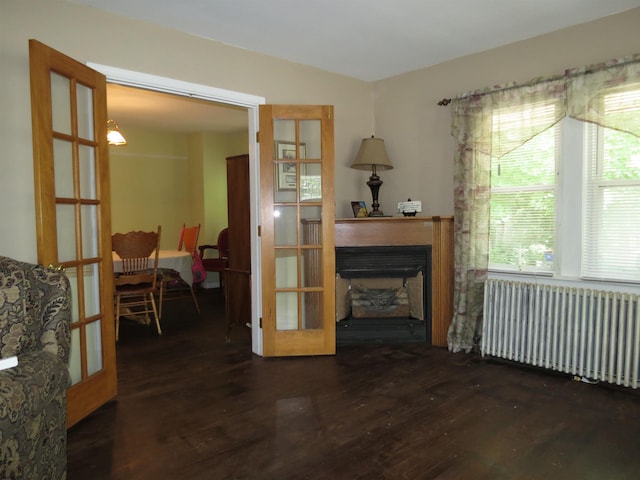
{"x":136,"y":285}
{"x":173,"y":286}
{"x":221,"y":262}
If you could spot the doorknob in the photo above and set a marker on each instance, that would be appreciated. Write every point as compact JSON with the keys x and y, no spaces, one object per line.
{"x":57,"y":266}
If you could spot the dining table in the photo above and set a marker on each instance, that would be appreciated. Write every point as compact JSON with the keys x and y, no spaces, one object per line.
{"x":178,"y":260}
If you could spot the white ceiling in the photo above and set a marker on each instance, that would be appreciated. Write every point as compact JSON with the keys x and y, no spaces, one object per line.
{"x":143,"y":109}
{"x":365,"y":39}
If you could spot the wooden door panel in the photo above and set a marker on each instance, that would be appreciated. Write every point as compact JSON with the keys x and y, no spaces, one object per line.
{"x":297,"y":224}
{"x":237,"y":278}
{"x":71,"y":175}
{"x":237,"y":298}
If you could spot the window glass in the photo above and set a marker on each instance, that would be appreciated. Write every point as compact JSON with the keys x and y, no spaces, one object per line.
{"x":523,"y":201}
{"x":565,"y":202}
{"x":611,"y":248}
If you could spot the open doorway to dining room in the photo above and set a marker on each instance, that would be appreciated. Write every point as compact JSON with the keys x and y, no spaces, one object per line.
{"x":173,"y":169}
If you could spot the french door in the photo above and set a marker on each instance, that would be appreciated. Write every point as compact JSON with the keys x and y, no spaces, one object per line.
{"x":297,"y":230}
{"x":70,"y":153}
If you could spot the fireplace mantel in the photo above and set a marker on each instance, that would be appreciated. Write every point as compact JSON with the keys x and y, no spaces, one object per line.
{"x":434,"y":231}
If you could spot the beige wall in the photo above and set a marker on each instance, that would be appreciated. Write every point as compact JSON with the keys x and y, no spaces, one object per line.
{"x":89,"y":35}
{"x":402,"y":110}
{"x":417,"y":131}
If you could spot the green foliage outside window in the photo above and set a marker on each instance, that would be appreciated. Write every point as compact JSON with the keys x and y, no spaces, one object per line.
{"x":523,"y":204}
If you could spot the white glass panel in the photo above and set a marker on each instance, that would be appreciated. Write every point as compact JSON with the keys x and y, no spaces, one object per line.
{"x":286,"y":268}
{"x":72,"y":275}
{"x":85,"y":112}
{"x":288,"y":151}
{"x":285,"y":220}
{"x":63,"y":168}
{"x":311,"y":137}
{"x":286,"y":311}
{"x":310,"y":182}
{"x":286,"y":176}
{"x":312,"y":310}
{"x":89,"y":229}
{"x":311,"y":225}
{"x":91,"y":290}
{"x":285,"y":181}
{"x":312,"y":267}
{"x":94,"y":348}
{"x":60,"y":101}
{"x":87,"y":172}
{"x":284,"y":131}
{"x":66,"y":227}
{"x":75,"y":366}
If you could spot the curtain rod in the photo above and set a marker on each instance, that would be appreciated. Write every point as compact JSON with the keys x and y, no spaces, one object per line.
{"x":569,"y":73}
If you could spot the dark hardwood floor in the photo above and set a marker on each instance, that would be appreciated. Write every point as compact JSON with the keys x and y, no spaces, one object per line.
{"x":192,"y":407}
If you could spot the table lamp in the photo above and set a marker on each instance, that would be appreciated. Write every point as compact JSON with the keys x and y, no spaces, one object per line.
{"x":373,"y":156}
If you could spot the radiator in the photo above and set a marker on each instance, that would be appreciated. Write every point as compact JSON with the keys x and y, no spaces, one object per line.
{"x":587,"y":333}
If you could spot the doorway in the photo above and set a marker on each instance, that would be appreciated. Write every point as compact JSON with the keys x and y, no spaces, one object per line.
{"x":190,"y":91}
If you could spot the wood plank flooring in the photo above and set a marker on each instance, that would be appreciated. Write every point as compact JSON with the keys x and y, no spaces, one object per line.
{"x":191,"y":407}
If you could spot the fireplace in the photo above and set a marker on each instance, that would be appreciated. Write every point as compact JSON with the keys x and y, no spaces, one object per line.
{"x":383,"y":294}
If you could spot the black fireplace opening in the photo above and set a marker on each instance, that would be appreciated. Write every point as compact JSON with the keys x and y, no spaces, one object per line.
{"x":383,"y":294}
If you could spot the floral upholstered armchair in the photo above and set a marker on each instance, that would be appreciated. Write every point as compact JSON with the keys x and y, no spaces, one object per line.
{"x":35,"y":327}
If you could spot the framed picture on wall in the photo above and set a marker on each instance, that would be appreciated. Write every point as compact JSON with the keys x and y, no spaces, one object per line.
{"x":286,"y":176}
{"x":286,"y":172}
{"x":287,"y":150}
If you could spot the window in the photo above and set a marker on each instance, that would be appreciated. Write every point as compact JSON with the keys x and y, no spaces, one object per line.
{"x":565,"y":202}
{"x":612,"y":184}
{"x":524,"y":192}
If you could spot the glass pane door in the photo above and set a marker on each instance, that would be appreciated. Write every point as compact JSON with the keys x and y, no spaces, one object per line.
{"x":73,"y":212}
{"x":300,"y":243}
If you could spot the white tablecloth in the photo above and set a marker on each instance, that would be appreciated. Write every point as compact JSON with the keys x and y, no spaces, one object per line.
{"x":175,"y":259}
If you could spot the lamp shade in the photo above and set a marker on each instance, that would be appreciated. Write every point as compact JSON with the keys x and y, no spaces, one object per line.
{"x":114,"y":137}
{"x":372,"y":154}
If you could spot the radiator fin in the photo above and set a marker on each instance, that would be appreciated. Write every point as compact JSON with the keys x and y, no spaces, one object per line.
{"x":590,"y":333}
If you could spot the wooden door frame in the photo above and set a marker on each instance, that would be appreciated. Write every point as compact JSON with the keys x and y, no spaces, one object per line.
{"x":209,"y":93}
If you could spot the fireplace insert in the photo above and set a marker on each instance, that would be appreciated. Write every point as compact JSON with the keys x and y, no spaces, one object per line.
{"x":383,"y":294}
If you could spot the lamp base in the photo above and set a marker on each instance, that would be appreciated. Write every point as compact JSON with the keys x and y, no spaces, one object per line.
{"x":376,"y":213}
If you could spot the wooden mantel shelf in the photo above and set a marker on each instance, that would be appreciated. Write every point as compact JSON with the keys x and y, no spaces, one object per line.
{"x":435,"y":231}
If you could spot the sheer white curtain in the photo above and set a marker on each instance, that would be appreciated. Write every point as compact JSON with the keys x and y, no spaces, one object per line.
{"x":476,"y":129}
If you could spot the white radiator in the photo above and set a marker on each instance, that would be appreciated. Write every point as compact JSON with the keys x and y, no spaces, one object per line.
{"x":588,"y":333}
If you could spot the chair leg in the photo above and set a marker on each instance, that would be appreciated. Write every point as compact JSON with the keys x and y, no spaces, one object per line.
{"x":195,"y":300}
{"x":117,"y":316}
{"x":155,"y":313}
{"x":162,"y":287}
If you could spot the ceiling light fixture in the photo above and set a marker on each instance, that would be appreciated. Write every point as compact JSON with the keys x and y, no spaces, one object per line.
{"x":114,"y":137}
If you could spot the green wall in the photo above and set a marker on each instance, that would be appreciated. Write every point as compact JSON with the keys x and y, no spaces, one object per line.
{"x":167,"y":179}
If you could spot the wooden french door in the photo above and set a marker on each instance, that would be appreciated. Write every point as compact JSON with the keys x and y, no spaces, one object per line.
{"x":70,"y":153}
{"x":297,"y":230}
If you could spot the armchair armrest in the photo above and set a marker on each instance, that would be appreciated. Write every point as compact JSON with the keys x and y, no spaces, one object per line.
{"x":202,"y":248}
{"x":37,"y":309}
{"x":56,"y":311}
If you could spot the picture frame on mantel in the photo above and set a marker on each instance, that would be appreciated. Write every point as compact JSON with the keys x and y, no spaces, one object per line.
{"x":359,"y":209}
